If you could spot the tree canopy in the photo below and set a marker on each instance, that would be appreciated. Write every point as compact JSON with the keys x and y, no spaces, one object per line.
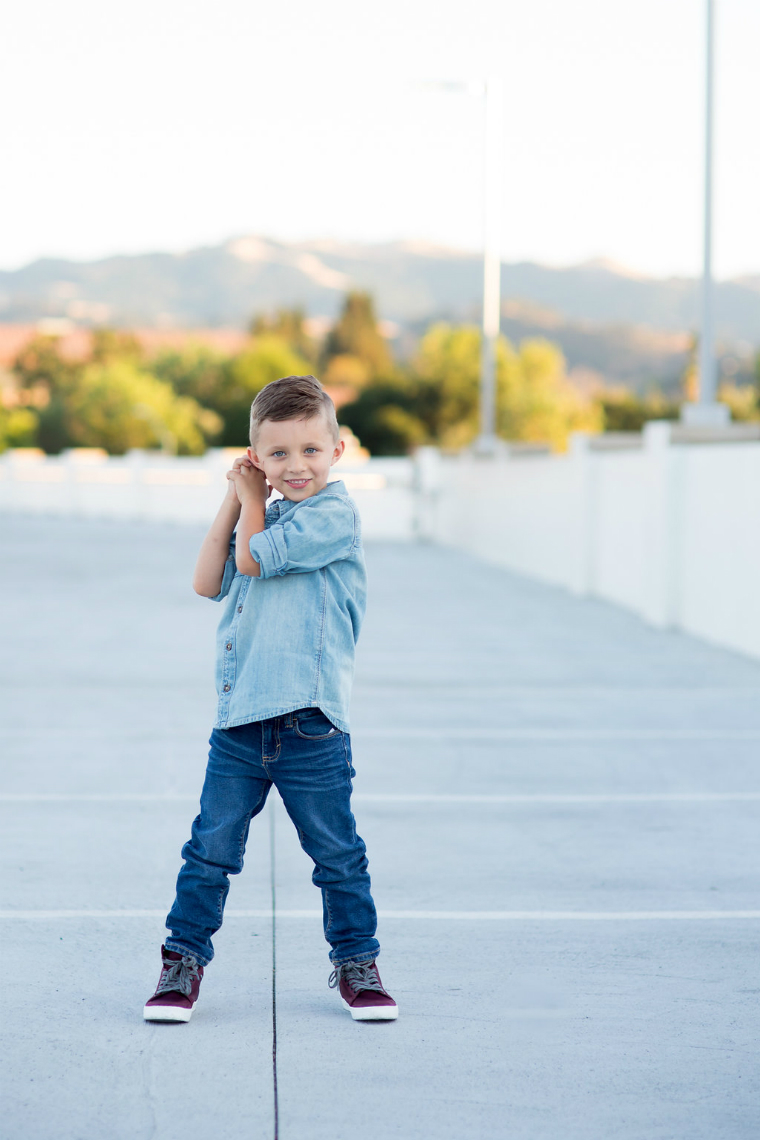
{"x":439,"y":401}
{"x":356,"y":334}
{"x":289,"y":325}
{"x":111,"y":400}
{"x":183,"y":400}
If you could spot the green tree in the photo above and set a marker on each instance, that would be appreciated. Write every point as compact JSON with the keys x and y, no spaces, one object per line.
{"x":535,"y":400}
{"x":268,"y":358}
{"x":194,"y":370}
{"x":356,"y":334}
{"x":49,"y":379}
{"x":111,"y":401}
{"x":289,"y":326}
{"x":741,"y":400}
{"x":18,"y":427}
{"x":385,"y":417}
{"x":114,"y":344}
{"x":447,"y":368}
{"x":117,"y":405}
{"x":624,"y":410}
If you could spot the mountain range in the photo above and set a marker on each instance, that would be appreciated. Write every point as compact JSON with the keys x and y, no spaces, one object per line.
{"x":605,"y":318}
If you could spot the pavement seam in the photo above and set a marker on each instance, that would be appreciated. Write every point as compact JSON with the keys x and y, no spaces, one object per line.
{"x":272,"y":881}
{"x":410,"y":797}
{"x":423,"y":915}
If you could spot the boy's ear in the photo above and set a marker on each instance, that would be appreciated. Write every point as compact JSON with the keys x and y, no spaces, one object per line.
{"x":340,"y":447}
{"x":253,"y":457}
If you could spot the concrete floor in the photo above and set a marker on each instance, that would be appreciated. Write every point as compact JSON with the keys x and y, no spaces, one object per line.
{"x":553,"y":798}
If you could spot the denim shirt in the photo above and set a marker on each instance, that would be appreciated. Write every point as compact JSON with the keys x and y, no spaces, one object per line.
{"x":286,"y":639}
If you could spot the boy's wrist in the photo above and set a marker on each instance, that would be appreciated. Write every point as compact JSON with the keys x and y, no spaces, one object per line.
{"x":232,"y":505}
{"x":252,"y":521}
{"x":252,"y":511}
{"x":252,"y":496}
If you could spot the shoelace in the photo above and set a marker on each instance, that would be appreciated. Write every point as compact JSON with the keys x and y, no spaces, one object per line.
{"x":178,"y":977}
{"x":358,"y":975}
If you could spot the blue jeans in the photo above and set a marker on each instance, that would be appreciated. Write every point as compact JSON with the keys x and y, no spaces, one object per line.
{"x":309,"y":761}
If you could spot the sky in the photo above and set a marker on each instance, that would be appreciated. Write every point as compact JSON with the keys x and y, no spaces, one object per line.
{"x":171,"y":124}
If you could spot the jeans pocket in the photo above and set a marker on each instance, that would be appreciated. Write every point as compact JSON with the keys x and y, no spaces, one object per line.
{"x":314,"y":725}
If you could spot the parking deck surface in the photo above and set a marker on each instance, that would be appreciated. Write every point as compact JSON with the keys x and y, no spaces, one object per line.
{"x":561,"y":809}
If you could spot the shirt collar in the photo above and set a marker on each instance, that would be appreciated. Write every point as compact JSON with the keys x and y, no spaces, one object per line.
{"x":280,"y":506}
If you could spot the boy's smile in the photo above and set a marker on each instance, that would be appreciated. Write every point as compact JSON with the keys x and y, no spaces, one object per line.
{"x":296,"y":455}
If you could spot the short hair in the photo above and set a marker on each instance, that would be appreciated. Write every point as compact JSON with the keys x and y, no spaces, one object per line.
{"x":293,"y":398}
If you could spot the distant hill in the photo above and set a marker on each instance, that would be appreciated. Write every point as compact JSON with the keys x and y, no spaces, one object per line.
{"x":634,"y":355}
{"x":590,"y":309}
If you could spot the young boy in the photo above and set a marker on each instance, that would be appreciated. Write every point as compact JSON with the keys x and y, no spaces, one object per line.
{"x":293,"y":582}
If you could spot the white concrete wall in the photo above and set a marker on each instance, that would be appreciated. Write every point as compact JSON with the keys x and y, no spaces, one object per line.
{"x":716,"y":569}
{"x":669,"y":529}
{"x":147,"y":485}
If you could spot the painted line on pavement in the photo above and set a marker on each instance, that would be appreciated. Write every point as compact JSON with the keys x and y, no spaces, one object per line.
{"x":449,"y":688}
{"x":412,"y":732}
{"x":558,"y":734}
{"x":569,"y":798}
{"x":560,"y":797}
{"x":97,"y":797}
{"x":434,"y":915}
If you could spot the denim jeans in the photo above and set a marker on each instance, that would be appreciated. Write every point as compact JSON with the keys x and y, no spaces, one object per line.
{"x":308,"y":760}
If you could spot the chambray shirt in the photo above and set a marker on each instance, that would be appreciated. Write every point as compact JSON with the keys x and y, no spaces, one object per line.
{"x":286,"y":639}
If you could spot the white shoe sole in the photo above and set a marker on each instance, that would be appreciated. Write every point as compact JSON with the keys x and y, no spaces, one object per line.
{"x":166,"y":1013}
{"x":372,"y":1012}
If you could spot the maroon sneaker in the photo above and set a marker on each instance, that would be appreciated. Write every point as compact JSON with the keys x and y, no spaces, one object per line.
{"x":177,"y":989}
{"x":362,"y":992}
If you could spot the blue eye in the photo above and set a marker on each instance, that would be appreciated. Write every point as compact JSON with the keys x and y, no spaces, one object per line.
{"x":277,"y":454}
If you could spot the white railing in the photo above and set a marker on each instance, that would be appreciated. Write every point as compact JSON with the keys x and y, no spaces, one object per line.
{"x":144,"y":485}
{"x":666,"y":523}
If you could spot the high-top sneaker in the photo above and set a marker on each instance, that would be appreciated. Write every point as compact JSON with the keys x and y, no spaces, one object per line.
{"x":362,"y":992}
{"x":177,"y":989}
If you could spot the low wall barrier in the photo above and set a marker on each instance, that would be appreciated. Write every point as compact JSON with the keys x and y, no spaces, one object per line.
{"x":144,"y":485}
{"x":665,"y":523}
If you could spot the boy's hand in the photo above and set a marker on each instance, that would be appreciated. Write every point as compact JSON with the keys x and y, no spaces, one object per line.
{"x":249,"y":482}
{"x":232,"y":495}
{"x":231,"y":488}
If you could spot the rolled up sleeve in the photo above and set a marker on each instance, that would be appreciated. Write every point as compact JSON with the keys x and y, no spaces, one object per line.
{"x":319,"y":532}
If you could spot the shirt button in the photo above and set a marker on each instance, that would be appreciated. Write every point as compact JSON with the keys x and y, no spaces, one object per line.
{"x":228,"y":645}
{"x":226,"y":688}
{"x":240,"y":609}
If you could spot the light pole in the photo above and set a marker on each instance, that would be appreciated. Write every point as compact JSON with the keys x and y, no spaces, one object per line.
{"x":486,"y":442}
{"x":706,"y":411}
{"x":492,"y":94}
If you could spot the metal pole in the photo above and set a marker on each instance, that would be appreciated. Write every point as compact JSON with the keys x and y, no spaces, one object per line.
{"x":706,"y":411}
{"x":707,"y":379}
{"x":491,"y":263}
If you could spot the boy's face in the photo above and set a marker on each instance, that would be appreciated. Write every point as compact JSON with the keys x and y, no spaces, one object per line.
{"x":296,"y":455}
